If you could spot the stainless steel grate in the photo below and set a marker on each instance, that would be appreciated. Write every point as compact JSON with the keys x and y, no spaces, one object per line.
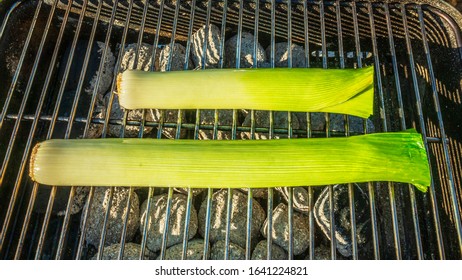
{"x":416,"y":48}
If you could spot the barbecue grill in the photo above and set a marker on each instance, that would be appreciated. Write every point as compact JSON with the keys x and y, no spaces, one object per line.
{"x":416,"y":48}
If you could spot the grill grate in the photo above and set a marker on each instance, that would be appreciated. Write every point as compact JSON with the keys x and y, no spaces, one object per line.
{"x":416,"y":49}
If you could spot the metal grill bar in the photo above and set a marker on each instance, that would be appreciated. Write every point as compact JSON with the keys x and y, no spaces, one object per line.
{"x":391,"y":187}
{"x":442,"y":131}
{"x":71,"y":120}
{"x":86,"y":210}
{"x":329,"y":38}
{"x":25,"y":155}
{"x":403,"y":127}
{"x":147,"y":222}
{"x":186,"y":225}
{"x":13,"y":199}
{"x":423,"y":131}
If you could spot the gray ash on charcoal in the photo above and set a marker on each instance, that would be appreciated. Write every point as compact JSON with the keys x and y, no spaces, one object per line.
{"x":132,"y":251}
{"x":195,"y":251}
{"x":321,"y":252}
{"x":107,"y":73}
{"x":194,"y":191}
{"x":176,"y":55}
{"x":280,"y":229}
{"x":261,"y":252}
{"x":118,"y":112}
{"x":78,"y":202}
{"x":238,"y":220}
{"x":157,"y":219}
{"x":300,"y":198}
{"x":217,"y":252}
{"x":342,"y":217}
{"x":256,"y":192}
{"x":116,"y":219}
{"x":281,"y":55}
{"x":143,"y":60}
{"x":246,"y":51}
{"x":210,"y":38}
{"x":207,"y":117}
{"x":95,"y":130}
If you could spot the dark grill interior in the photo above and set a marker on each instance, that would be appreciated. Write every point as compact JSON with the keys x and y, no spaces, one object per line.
{"x":47,"y":60}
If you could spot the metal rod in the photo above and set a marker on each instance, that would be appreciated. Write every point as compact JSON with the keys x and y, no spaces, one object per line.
{"x":248,"y":240}
{"x":208,"y":215}
{"x":289,"y":33}
{"x":63,"y":231}
{"x":11,"y":90}
{"x":184,"y":254}
{"x":403,"y":127}
{"x":269,"y":238}
{"x":28,"y":214}
{"x":255,"y":33}
{"x":333,"y":241}
{"x":310,"y":199}
{"x":291,"y":223}
{"x":359,"y":55}
{"x":25,"y":156}
{"x":207,"y":27}
{"x":168,"y":211}
{"x":100,"y":69}
{"x":273,"y":32}
{"x":188,"y":42}
{"x":239,"y":35}
{"x":135,"y":65}
{"x":72,"y":114}
{"x":229,"y":209}
{"x":147,"y":223}
{"x":384,"y":125}
{"x":307,"y":33}
{"x":340,"y":33}
{"x":102,"y":240}
{"x":215,"y":125}
{"x":172,"y":41}
{"x":223,"y":29}
{"x":323,"y":34}
{"x":450,"y":176}
{"x":439,"y":238}
{"x":156,"y":37}
{"x":10,"y":145}
{"x":85,"y":214}
{"x":7,"y":16}
{"x":391,"y":194}
{"x":354,"y":241}
{"x":53,"y":192}
{"x":124,"y":227}
{"x":86,"y":210}
{"x":290,"y":211}
{"x":311,"y":223}
{"x":46,"y":220}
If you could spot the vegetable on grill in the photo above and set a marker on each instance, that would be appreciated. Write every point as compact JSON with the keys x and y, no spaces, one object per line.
{"x":346,"y":91}
{"x":399,"y":157}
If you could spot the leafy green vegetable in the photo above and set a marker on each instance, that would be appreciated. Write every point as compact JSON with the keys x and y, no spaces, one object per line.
{"x":399,"y":157}
{"x":346,"y":91}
